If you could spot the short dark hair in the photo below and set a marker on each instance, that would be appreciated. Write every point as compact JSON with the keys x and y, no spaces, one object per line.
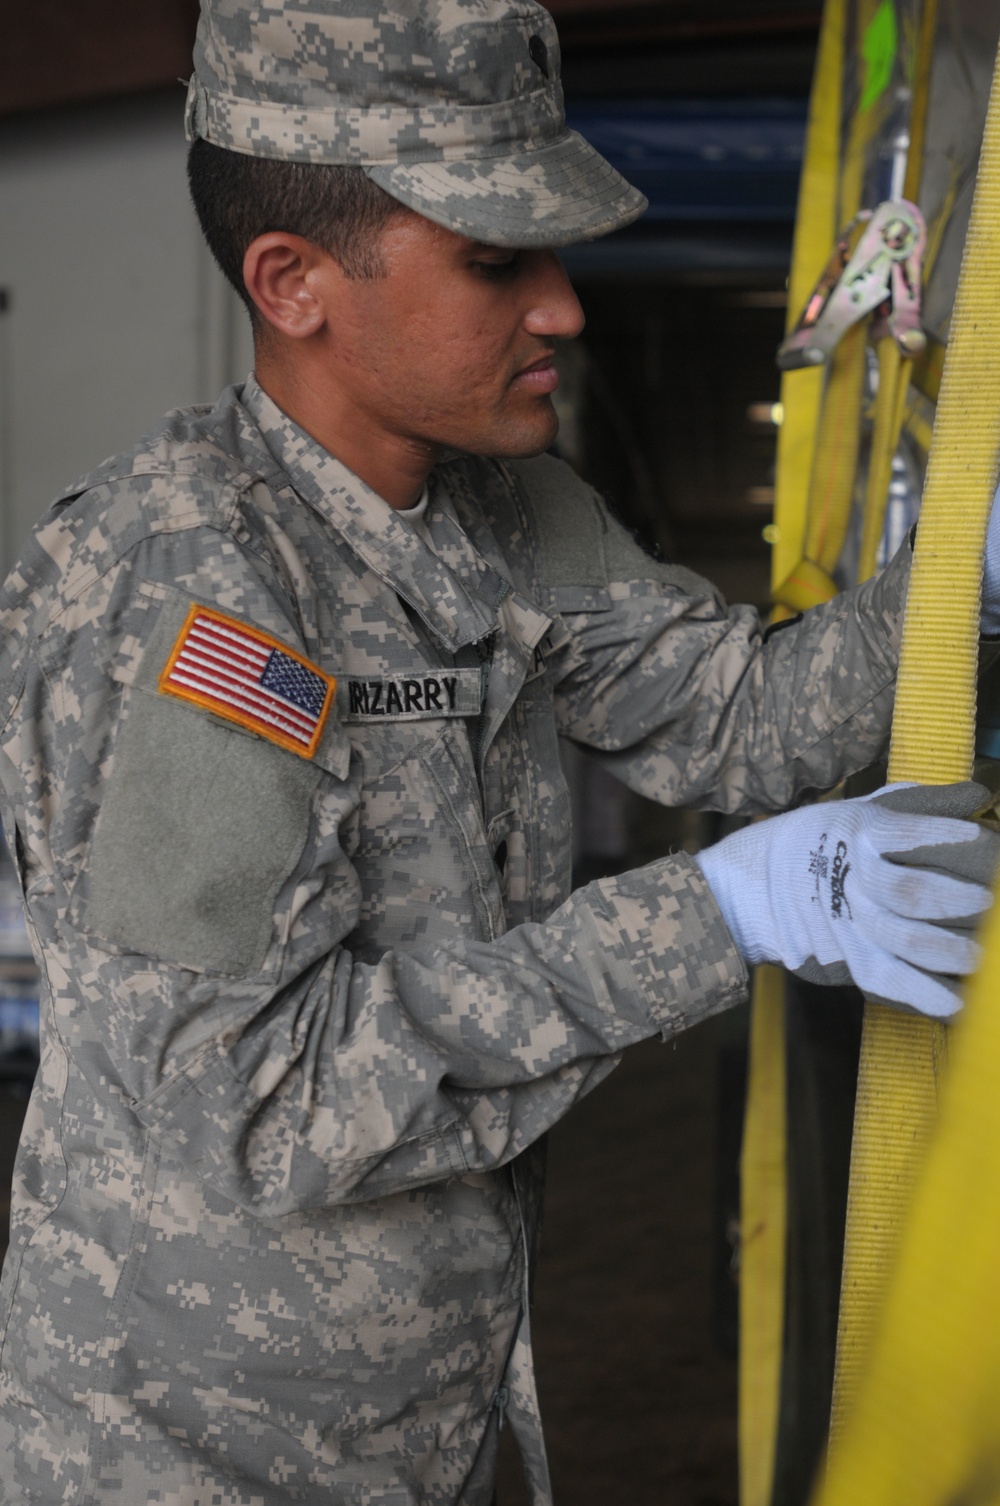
{"x":238,"y":197}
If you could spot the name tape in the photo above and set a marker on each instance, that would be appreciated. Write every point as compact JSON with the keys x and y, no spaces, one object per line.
{"x":455,"y":692}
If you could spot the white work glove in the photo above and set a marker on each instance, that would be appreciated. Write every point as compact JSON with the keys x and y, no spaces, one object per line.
{"x":884,"y":891}
{"x":989,"y":615}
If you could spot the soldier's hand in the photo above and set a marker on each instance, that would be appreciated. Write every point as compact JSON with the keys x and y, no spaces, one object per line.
{"x":885,"y":891}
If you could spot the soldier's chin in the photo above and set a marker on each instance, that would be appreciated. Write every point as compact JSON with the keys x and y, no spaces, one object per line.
{"x":528,"y":439}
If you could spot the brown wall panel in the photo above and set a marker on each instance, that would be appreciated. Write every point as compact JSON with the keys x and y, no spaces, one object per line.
{"x":55,"y":52}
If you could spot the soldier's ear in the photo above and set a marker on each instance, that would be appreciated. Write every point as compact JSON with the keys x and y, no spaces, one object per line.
{"x":289,"y":279}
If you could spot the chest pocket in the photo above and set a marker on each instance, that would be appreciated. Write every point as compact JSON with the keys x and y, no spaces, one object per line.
{"x":420,"y":846}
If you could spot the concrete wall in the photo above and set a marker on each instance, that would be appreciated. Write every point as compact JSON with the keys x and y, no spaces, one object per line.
{"x":115,"y":311}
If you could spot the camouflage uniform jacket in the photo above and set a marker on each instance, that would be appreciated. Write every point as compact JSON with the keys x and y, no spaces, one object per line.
{"x":309,"y":1006}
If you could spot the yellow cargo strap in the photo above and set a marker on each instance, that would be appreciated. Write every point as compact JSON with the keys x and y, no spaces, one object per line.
{"x":763,"y":1225}
{"x":816,"y":226}
{"x":893,"y":367}
{"x":805,"y":578}
{"x":933,"y":733}
{"x":762,"y":1168}
{"x":890,"y":403}
{"x":836,"y":462}
{"x":924,"y":1431}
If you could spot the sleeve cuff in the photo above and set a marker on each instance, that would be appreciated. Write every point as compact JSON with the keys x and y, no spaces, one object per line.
{"x":677,"y":946}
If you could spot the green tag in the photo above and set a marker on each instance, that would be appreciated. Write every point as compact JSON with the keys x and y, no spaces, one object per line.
{"x":878,"y":48}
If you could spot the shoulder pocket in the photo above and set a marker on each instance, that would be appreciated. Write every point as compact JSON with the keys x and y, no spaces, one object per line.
{"x":201,"y":824}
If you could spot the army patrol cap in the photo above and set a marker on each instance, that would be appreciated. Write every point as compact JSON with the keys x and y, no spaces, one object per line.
{"x":454,"y":107}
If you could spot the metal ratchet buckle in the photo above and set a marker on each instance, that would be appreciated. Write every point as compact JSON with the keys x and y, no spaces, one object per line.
{"x":883,"y":273}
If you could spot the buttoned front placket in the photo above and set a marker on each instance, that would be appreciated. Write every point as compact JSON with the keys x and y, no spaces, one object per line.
{"x":476,"y":616}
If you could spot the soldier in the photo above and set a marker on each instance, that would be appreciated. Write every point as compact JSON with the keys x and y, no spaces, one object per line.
{"x":281,"y":691}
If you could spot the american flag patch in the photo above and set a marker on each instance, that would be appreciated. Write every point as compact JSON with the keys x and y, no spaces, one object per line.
{"x":249,"y":678}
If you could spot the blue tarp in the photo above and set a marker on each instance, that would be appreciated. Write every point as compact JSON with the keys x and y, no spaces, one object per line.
{"x":703,"y":160}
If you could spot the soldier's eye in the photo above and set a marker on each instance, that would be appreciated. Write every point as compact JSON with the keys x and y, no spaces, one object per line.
{"x":498,"y":270}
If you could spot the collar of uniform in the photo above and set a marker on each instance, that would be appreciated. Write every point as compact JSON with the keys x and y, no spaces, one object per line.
{"x":475,"y":548}
{"x":389,"y":546}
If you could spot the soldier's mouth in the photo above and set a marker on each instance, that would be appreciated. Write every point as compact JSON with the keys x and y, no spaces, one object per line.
{"x":540,"y":376}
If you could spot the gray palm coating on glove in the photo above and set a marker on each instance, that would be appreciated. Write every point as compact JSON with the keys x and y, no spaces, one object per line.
{"x":886,"y":891}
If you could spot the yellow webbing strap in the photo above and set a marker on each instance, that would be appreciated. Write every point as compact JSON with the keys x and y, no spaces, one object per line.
{"x":837,"y":415}
{"x":932,"y":742}
{"x":836,"y":464}
{"x":763,"y":1223}
{"x":925,"y":1431}
{"x":893,"y":368}
{"x":762,"y":1169}
{"x":809,"y":585}
{"x":890,"y":401}
{"x":816,"y":229}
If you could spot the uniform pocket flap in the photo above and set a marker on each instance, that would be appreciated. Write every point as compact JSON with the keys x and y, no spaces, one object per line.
{"x":570,"y":599}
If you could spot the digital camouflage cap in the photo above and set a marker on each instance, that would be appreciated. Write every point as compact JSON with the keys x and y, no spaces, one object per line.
{"x":454,"y":107}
